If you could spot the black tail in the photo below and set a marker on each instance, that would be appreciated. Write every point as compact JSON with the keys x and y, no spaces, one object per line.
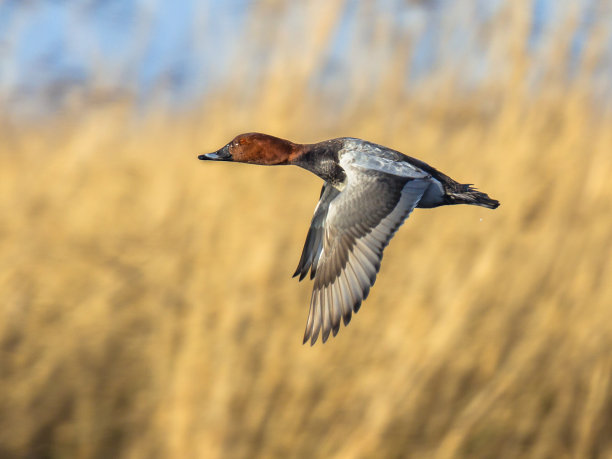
{"x":465,"y":194}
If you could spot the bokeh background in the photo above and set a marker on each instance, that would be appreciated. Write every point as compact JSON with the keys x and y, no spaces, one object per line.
{"x":147,"y":307}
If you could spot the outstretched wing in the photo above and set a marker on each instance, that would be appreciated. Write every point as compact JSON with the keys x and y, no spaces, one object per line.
{"x":345,"y":244}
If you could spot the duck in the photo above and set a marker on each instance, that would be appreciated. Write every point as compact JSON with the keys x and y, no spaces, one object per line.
{"x":368,"y":192}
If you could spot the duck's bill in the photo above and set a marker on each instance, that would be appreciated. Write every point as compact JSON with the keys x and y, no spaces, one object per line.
{"x":219,"y":155}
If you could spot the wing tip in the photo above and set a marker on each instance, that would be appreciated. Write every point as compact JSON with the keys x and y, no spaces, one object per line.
{"x":346,"y":319}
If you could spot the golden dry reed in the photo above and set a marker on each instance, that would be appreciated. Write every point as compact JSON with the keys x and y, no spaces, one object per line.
{"x":148,"y":308}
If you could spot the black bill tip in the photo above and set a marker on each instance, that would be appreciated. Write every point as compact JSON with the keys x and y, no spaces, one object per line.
{"x":220,"y":155}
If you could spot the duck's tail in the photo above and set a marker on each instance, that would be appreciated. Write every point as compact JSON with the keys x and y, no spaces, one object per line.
{"x":465,"y":194}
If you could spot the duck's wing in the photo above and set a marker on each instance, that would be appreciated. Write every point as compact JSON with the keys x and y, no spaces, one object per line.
{"x":348,"y":240}
{"x":314,"y":238}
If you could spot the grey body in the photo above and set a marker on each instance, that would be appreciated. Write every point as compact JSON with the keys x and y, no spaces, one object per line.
{"x":369,"y":191}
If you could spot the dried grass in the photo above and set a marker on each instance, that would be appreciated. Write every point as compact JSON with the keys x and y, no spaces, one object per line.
{"x":148,"y":309}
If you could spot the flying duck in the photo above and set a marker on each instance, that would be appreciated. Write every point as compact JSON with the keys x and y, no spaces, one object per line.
{"x":369,"y":191}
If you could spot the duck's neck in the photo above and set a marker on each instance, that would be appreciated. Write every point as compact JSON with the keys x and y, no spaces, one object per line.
{"x":321,"y":159}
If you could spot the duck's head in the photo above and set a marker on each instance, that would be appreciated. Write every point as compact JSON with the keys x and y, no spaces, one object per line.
{"x":254,"y":148}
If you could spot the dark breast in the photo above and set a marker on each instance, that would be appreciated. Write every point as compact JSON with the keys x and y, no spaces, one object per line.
{"x":322,"y":159}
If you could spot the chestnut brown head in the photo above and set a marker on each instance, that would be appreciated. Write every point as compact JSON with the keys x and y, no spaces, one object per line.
{"x":254,"y":148}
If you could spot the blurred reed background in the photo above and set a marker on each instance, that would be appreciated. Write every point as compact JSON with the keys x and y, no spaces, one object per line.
{"x":147,"y":304}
